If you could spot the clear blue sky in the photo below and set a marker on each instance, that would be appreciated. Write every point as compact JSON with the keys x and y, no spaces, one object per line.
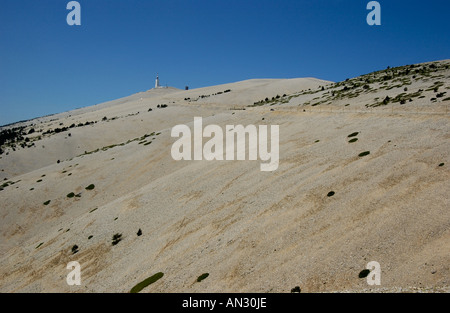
{"x":47,"y":66}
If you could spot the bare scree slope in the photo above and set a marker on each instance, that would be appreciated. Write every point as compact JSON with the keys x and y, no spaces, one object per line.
{"x":363,"y":176}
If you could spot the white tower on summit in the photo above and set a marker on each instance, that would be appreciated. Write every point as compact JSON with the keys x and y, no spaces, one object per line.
{"x":157,"y":81}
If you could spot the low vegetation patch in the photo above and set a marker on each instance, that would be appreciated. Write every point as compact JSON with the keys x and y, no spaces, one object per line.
{"x":116,"y":239}
{"x":202,"y":277}
{"x":74,"y":249}
{"x":146,"y":282}
{"x":353,"y":135}
{"x":90,"y":187}
{"x":364,"y":273}
{"x":353,"y":140}
{"x":364,"y":153}
{"x":47,"y":202}
{"x":70,"y":195}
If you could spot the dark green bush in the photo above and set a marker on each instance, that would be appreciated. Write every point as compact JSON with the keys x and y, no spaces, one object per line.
{"x":202,"y":277}
{"x":71,"y":195}
{"x":353,"y":135}
{"x":146,"y":282}
{"x":90,"y":187}
{"x":47,"y":202}
{"x":74,"y":249}
{"x":364,"y":153}
{"x":353,"y":140}
{"x":116,"y":239}
{"x":364,"y":273}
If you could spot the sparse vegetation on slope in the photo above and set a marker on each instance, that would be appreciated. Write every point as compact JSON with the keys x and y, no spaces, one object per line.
{"x":116,"y":239}
{"x":146,"y":282}
{"x":202,"y":277}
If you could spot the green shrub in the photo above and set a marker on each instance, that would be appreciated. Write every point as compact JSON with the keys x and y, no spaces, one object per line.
{"x":71,"y":195}
{"x":74,"y":249}
{"x":202,"y":277}
{"x":442,"y":164}
{"x":364,"y":273}
{"x":90,"y":187}
{"x":353,"y":140}
{"x":47,"y":202}
{"x":146,"y":282}
{"x":364,"y":153}
{"x":353,"y":135}
{"x":330,"y":194}
{"x":116,"y":239}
